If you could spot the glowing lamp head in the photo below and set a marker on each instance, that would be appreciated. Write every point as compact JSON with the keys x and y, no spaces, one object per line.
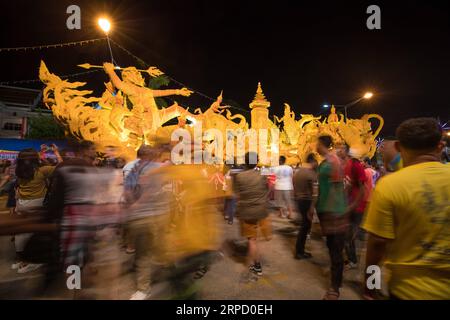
{"x":326,"y":106}
{"x":368,"y":95}
{"x":104,"y":24}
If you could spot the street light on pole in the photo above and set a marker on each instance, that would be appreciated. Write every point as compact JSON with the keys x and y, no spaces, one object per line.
{"x":105,"y":25}
{"x":368,"y":95}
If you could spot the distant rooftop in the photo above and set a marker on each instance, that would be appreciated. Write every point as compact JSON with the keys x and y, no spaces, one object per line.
{"x":21,"y":97}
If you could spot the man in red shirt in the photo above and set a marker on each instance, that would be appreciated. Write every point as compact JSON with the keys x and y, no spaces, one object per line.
{"x":355,"y":179}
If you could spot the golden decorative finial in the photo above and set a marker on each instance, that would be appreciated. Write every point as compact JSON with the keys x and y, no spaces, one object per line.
{"x":259,"y":90}
{"x":259,"y":100}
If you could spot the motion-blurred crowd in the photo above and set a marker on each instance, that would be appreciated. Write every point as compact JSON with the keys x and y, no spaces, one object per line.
{"x":86,"y":209}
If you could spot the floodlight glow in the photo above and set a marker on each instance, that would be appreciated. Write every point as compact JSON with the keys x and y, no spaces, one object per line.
{"x":104,"y":24}
{"x":368,"y":95}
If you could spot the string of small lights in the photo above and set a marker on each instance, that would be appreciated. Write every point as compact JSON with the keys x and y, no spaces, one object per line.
{"x":172,"y":79}
{"x":84,"y":42}
{"x":56,"y":45}
{"x":72,"y":75}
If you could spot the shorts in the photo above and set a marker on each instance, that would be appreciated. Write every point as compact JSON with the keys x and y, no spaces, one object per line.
{"x":249,"y":228}
{"x":332,"y":223}
{"x":32,"y":206}
{"x":283,"y":198}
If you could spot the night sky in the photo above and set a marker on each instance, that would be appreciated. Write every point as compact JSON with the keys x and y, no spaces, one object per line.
{"x":304,"y":53}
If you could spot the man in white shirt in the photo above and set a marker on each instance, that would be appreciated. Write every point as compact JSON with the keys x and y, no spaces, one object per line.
{"x":283,"y":187}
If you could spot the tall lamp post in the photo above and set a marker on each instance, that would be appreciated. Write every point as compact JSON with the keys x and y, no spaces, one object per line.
{"x":105,"y":25}
{"x":366,"y":96}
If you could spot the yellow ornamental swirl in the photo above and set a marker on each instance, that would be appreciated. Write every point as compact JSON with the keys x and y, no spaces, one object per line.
{"x":126,"y":116}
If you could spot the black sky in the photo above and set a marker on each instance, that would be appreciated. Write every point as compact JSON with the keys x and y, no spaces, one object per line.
{"x":304,"y":53}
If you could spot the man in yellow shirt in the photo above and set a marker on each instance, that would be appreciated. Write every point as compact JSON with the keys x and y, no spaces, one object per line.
{"x":408,"y":217}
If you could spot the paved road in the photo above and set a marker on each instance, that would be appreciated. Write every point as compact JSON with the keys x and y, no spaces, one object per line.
{"x":283,"y":278}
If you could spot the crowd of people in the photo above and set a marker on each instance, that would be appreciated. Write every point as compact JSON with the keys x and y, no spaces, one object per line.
{"x":80,"y":210}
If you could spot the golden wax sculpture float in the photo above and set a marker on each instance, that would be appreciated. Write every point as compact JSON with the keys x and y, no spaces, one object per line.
{"x":127,"y":116}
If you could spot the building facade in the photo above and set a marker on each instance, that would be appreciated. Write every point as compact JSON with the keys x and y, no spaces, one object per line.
{"x":17,"y":105}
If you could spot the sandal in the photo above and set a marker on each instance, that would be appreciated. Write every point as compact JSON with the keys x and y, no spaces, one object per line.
{"x":331,"y":295}
{"x":350,"y":266}
{"x":200,"y":273}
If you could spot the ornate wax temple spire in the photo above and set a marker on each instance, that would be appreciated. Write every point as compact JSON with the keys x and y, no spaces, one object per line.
{"x":259,"y":100}
{"x":260,"y":111}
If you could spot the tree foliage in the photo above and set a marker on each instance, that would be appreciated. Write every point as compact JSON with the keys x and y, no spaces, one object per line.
{"x":156,"y":83}
{"x":44,"y":127}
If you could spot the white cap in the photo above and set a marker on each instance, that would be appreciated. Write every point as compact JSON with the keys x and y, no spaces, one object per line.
{"x":355,"y":153}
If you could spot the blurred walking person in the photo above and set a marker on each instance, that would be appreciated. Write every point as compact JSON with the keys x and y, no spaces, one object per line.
{"x":252,"y":191}
{"x":149,"y":201}
{"x":354,"y":183}
{"x":331,"y":209}
{"x":284,"y":187}
{"x":63,"y":195}
{"x":194,"y":237}
{"x":306,"y":192}
{"x":131,"y":172}
{"x":104,"y":265}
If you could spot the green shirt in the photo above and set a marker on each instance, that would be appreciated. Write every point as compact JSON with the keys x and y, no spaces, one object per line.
{"x":331,"y":187}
